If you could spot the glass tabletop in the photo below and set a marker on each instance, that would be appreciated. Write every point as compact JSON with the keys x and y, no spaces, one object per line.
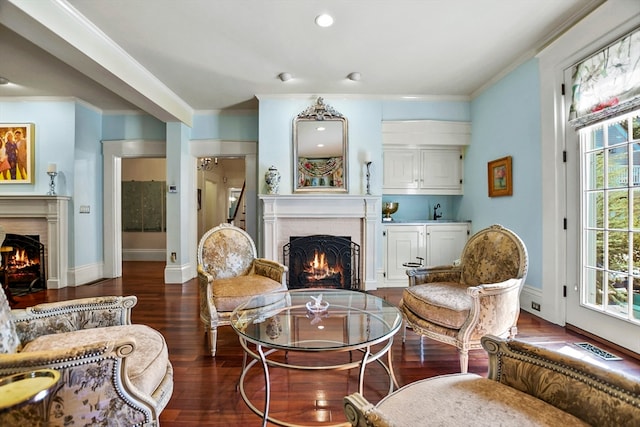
{"x":316,"y":319}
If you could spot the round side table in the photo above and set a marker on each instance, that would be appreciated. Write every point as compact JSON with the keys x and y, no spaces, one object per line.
{"x":27,"y":388}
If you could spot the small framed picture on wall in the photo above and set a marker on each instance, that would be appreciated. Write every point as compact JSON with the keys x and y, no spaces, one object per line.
{"x":500,"y":177}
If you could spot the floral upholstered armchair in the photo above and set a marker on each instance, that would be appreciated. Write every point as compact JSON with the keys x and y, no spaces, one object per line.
{"x":111,"y":372}
{"x":229,"y":273}
{"x":458,"y":305}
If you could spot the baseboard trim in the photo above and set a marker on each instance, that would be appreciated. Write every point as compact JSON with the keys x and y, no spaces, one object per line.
{"x":85,"y":274}
{"x":600,"y":340}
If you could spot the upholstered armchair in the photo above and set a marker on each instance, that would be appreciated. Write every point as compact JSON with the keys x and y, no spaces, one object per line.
{"x":459,"y":304}
{"x":229,"y":273}
{"x":111,"y":372}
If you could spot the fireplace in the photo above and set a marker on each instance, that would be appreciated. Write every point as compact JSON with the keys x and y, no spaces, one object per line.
{"x":322,"y":261}
{"x":22,"y":267}
{"x":358,"y":216}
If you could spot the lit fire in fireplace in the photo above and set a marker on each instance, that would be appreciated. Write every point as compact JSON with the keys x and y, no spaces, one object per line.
{"x":319,"y":270}
{"x":20,"y":259}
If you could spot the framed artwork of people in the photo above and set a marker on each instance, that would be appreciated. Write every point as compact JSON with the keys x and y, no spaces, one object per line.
{"x":17,"y":153}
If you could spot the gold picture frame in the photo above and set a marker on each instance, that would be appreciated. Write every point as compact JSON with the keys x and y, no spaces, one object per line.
{"x":17,"y":153}
{"x":500,"y":177}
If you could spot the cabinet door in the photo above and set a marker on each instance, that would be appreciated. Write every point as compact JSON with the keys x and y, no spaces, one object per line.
{"x":441,"y":169}
{"x":400,"y":168}
{"x":404,"y":243}
{"x":445,"y":243}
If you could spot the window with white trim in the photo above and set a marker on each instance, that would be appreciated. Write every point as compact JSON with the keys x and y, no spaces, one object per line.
{"x":610,"y":206}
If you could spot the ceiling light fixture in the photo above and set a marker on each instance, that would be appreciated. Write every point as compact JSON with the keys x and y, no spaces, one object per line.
{"x":355,"y":76}
{"x":285,"y":76}
{"x":324,"y":20}
{"x":4,"y":81}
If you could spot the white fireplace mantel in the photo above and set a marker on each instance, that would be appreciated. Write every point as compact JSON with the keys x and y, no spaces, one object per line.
{"x":55,"y":209}
{"x":367,"y":208}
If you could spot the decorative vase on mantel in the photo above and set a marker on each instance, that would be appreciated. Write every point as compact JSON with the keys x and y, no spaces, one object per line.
{"x":272,"y":177}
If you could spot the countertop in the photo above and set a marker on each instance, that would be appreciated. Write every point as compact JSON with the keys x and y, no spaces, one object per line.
{"x":425,"y":221}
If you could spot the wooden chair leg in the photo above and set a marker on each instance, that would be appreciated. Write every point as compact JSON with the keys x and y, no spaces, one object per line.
{"x":464,"y":361}
{"x":213,"y":341}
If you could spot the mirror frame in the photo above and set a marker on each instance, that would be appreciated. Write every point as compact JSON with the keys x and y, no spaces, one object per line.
{"x":335,"y":178}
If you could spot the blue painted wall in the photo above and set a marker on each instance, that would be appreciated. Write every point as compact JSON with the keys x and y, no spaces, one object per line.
{"x":87,"y":178}
{"x":506,"y":122}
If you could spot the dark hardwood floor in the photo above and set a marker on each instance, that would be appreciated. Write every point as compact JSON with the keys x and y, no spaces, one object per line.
{"x":205,"y":388}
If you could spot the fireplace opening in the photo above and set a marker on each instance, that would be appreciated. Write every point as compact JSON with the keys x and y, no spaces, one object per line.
{"x":322,"y":261}
{"x":22,"y":264}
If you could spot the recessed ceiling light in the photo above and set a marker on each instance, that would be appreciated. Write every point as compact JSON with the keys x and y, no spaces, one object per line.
{"x":355,"y":76}
{"x":320,"y":128}
{"x":285,"y":76}
{"x":324,"y":20}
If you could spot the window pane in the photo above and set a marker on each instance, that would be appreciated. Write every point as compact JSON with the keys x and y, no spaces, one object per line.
{"x":635,"y":258}
{"x":595,"y":209}
{"x":618,"y":250}
{"x":618,"y":163}
{"x":594,"y":167}
{"x":636,"y":208}
{"x":618,"y":299}
{"x":596,"y":138}
{"x":594,"y":244}
{"x":593,"y":287}
{"x":617,"y":133}
{"x":618,"y":209}
{"x":636,"y":127}
{"x":635,"y":174}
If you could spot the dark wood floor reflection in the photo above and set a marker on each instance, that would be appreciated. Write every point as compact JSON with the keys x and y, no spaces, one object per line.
{"x":205,"y":388}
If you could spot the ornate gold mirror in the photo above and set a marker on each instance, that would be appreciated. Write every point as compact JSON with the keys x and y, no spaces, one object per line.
{"x":320,"y":150}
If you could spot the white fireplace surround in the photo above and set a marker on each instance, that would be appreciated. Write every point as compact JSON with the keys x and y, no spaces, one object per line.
{"x":53,"y":209}
{"x":280,"y":211}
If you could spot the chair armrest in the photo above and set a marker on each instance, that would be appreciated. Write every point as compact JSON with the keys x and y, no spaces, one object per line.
{"x":361,"y":413}
{"x":443,"y":273}
{"x":268,"y":268}
{"x":92,"y":381}
{"x":566,"y":382}
{"x":495,"y":309}
{"x":72,"y":315}
{"x":494,"y":288}
{"x":204,"y":275}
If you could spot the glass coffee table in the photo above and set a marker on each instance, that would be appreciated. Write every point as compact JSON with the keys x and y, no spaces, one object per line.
{"x":318,"y":323}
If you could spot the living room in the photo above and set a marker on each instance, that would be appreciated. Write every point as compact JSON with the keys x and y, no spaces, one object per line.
{"x":516,"y":115}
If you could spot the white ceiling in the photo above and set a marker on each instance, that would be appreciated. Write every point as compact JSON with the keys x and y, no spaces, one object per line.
{"x":173,"y":57}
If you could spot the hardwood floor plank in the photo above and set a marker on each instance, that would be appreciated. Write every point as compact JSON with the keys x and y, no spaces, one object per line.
{"x":205,"y":388}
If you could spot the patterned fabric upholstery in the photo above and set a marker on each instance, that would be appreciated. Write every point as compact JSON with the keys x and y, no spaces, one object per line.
{"x":9,"y":341}
{"x":229,"y":273}
{"x":527,"y":385}
{"x":112,"y":372}
{"x":458,"y":305}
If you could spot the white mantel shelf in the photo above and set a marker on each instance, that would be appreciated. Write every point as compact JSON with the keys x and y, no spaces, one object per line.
{"x":365,"y":207}
{"x":55,"y":209}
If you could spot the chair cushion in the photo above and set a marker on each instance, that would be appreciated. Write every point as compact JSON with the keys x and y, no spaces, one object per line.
{"x":146,"y":366}
{"x":230,"y":293}
{"x":446,"y":304}
{"x":468,"y":399}
{"x":9,"y":340}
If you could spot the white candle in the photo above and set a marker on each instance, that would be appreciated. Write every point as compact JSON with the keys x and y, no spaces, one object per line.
{"x":367,"y":156}
{"x":51,"y":168}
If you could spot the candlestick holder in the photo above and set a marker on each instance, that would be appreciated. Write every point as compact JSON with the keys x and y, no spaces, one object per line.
{"x":52,"y":184}
{"x":368,"y":164}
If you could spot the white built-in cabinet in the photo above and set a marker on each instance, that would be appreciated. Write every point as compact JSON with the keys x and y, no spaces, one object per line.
{"x":424,"y":156}
{"x":436,"y":243}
